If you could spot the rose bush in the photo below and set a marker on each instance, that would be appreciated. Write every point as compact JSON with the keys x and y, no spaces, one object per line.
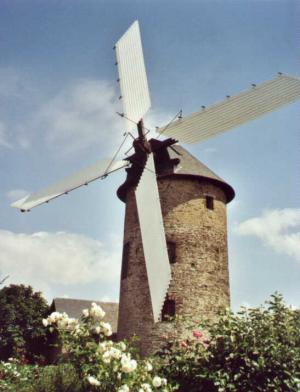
{"x":103,"y":364}
{"x":254,"y":350}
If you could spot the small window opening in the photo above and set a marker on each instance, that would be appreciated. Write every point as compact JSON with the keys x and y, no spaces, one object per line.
{"x":169,"y":309}
{"x":171,"y":251}
{"x":209,"y":202}
{"x":125,"y":259}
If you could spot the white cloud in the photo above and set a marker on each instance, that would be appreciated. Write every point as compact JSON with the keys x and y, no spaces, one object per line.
{"x":84,"y":115}
{"x":18,"y":98}
{"x":44,"y":259}
{"x":80,"y":116}
{"x":277,"y":229}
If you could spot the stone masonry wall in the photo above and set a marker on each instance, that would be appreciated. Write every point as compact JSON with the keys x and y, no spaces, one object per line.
{"x":200,"y":281}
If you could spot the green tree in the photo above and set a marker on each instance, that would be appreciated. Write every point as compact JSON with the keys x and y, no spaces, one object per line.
{"x":22,"y":334}
{"x":254,"y":350}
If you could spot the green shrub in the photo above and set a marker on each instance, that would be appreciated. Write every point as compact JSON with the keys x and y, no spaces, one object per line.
{"x":58,"y":378}
{"x":22,"y":335}
{"x":15,"y":377}
{"x":254,"y":350}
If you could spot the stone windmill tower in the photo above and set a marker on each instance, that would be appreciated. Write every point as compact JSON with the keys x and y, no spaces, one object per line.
{"x":193,"y":201}
{"x":175,"y":247}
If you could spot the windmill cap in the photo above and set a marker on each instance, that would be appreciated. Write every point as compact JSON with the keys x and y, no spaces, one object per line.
{"x":190,"y":166}
{"x":173,"y":162}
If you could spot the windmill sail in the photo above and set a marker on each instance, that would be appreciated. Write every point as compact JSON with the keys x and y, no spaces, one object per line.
{"x":235,"y":110}
{"x":153,"y":237}
{"x":132,"y":76}
{"x":82,"y":177}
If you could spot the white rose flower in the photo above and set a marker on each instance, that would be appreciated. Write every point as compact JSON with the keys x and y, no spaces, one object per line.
{"x":149,"y":366}
{"x":72,"y":324}
{"x":106,"y":328}
{"x":106,"y":357}
{"x":62,"y":323}
{"x":54,"y":317}
{"x":156,"y":382}
{"x":111,"y":353}
{"x":146,"y":388}
{"x":124,"y":388}
{"x":133,"y":365}
{"x":45,"y":322}
{"x":97,"y":330}
{"x":85,"y":313}
{"x":125,"y":357}
{"x":124,"y":362}
{"x":128,"y":365}
{"x":93,"y":381}
{"x":115,"y":353}
{"x":96,"y":312}
{"x":102,"y":346}
{"x":122,"y":346}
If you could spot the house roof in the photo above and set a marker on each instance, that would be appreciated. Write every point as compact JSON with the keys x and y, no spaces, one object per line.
{"x":74,"y":307}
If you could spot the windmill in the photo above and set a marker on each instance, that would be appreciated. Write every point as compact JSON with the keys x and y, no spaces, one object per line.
{"x":149,"y":155}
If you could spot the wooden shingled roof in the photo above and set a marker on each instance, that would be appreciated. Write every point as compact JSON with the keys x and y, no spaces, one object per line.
{"x":74,"y":307}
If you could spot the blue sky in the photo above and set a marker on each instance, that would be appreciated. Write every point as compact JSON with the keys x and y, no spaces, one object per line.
{"x":58,"y":97}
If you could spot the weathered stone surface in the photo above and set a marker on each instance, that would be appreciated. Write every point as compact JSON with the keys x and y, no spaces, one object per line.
{"x":200,"y":281}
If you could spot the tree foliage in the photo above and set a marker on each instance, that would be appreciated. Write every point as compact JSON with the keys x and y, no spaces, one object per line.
{"x":22,"y":334}
{"x":254,"y":350}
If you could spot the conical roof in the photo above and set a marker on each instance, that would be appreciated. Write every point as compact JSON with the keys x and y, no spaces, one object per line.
{"x":191,"y":166}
